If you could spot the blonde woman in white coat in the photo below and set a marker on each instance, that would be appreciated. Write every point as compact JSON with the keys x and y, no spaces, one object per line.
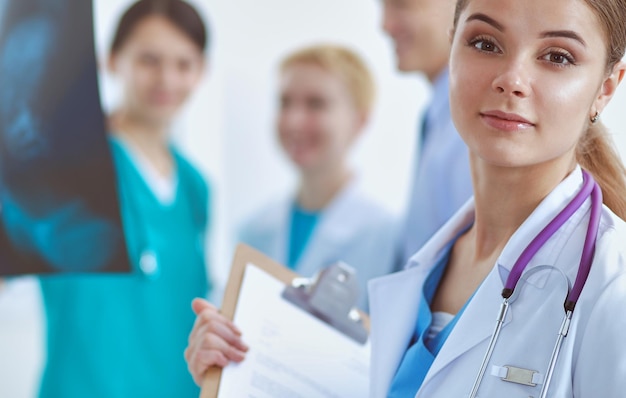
{"x":326,"y":94}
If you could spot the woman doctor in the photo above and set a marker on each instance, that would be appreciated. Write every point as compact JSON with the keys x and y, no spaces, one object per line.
{"x":121,"y":335}
{"x":326,"y":94}
{"x":528,"y":83}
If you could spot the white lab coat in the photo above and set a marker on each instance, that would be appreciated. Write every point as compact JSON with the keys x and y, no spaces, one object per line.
{"x":592,"y":362}
{"x":352,"y":229}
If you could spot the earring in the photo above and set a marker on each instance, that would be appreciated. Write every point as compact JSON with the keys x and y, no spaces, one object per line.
{"x":595,"y":118}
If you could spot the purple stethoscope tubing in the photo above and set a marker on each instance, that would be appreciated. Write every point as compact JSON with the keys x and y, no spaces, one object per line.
{"x":589,"y":248}
{"x":589,"y":189}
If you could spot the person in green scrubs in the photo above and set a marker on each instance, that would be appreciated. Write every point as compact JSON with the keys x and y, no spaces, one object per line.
{"x":122,"y":335}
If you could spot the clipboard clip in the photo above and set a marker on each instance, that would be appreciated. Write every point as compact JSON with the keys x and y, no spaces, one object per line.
{"x":330,"y":296}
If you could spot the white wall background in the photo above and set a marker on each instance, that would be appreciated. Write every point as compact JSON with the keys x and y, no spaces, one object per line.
{"x":227,"y":129}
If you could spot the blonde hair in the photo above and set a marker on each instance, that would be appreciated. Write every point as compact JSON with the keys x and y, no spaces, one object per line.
{"x":342,"y":62}
{"x":595,"y":151}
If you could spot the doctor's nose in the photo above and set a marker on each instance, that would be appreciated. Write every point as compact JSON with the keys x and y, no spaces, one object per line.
{"x":513,"y":79}
{"x":388,"y":21}
{"x":292,"y":116}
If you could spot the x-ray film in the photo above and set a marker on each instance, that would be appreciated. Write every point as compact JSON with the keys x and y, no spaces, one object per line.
{"x":58,"y":199}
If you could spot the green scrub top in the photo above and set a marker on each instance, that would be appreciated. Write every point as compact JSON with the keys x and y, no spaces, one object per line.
{"x":124,"y":335}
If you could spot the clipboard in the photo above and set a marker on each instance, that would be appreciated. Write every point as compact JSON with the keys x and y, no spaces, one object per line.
{"x":309,"y":294}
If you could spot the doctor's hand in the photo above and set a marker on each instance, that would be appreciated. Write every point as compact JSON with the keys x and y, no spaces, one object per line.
{"x":214,"y":341}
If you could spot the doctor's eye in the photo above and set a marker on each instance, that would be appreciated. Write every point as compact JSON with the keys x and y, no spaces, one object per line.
{"x":560,"y":58}
{"x":316,"y":103}
{"x":284,"y":102}
{"x":184,"y":65}
{"x":148,"y":59}
{"x":484,"y":44}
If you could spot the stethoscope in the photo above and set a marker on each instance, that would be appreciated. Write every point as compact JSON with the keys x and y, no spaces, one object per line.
{"x":591,"y":190}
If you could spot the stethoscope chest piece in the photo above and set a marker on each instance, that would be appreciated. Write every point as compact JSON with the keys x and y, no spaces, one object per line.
{"x":148,"y":264}
{"x":514,"y":374}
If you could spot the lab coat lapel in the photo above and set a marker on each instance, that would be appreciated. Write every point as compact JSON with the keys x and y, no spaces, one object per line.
{"x":394,"y":300}
{"x":476,"y":323}
{"x":333,"y":230}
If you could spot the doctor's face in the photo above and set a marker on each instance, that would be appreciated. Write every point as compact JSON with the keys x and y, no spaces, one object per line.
{"x":525,"y":77}
{"x":419,"y":30}
{"x":317,"y":121}
{"x":158,"y":66}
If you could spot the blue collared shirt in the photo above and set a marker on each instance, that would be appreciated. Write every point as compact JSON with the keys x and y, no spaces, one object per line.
{"x":441,"y":179}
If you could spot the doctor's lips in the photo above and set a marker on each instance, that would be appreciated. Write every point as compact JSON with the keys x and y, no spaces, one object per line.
{"x":163,"y":98}
{"x":505,"y":121}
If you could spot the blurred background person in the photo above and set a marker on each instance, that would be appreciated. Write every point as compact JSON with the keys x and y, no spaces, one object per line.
{"x":441,"y":177}
{"x":122,"y":335}
{"x":326,"y":98}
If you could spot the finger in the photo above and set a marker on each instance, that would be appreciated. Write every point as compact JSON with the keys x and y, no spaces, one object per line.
{"x":226,"y":333}
{"x":216,"y":336}
{"x":211,"y":315}
{"x":213,"y":358}
{"x":201,"y":306}
{"x":202,"y":361}
{"x":214,"y":352}
{"x":198,"y":305}
{"x":214,"y":341}
{"x":204,"y":317}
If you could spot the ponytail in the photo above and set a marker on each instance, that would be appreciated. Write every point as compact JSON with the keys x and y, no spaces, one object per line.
{"x":596,"y":153}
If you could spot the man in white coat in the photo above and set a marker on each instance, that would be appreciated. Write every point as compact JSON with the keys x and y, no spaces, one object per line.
{"x":441,"y":181}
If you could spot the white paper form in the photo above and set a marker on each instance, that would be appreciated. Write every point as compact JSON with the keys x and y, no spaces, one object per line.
{"x":292,"y":354}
